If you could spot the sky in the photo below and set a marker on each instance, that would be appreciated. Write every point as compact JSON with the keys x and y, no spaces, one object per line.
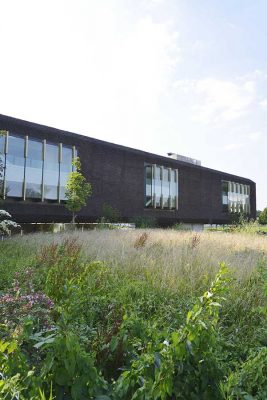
{"x":182,"y":76}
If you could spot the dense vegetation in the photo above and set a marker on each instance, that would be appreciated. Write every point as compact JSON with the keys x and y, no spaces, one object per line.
{"x":133,"y":315}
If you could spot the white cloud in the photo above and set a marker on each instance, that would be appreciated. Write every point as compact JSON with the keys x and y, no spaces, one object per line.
{"x":255,"y":136}
{"x":218,"y":100}
{"x":233,"y":146}
{"x":263,"y":103}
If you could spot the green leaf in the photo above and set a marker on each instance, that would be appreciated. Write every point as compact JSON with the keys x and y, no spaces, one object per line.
{"x":11,"y":347}
{"x":113,"y":343}
{"x":157,"y":360}
{"x":215,"y":304}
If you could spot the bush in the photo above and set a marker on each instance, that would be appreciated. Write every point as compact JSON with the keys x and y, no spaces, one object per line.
{"x":110,"y":214}
{"x":6,"y":223}
{"x":145,"y":222}
{"x":263,"y":217}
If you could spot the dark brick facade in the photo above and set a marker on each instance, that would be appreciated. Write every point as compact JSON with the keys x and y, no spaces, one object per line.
{"x":117,"y":177}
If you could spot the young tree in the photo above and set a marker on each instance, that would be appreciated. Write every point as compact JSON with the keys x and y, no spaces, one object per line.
{"x":77,"y":189}
{"x":263,"y":217}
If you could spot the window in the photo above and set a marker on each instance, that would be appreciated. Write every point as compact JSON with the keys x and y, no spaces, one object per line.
{"x":173,"y":188}
{"x":235,"y":197}
{"x":65,"y":169}
{"x":148,"y":186}
{"x":165,"y":188}
{"x":51,"y":172}
{"x":34,"y":170}
{"x":225,"y":191}
{"x":15,"y":164}
{"x":2,"y":162}
{"x":161,"y":187}
{"x":157,"y":186}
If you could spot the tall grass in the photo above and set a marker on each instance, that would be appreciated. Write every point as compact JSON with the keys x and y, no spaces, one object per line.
{"x":176,"y":254}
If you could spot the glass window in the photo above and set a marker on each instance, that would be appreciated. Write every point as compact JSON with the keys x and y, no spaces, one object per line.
{"x":225,"y":198}
{"x":15,"y":166}
{"x":165,"y":188}
{"x":157,"y":187}
{"x":173,"y":189}
{"x":2,"y":162}
{"x":148,"y":188}
{"x":34,"y":167}
{"x":2,"y":143}
{"x":51,"y":172}
{"x":161,"y":187}
{"x":65,"y":169}
{"x":238,"y":197}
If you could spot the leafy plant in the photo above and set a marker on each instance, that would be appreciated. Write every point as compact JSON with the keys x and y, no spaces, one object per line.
{"x":110,"y":214}
{"x":22,"y":302}
{"x":249,"y":382}
{"x":77,"y":189}
{"x":184,"y":365}
{"x":59,"y":264}
{"x":6,"y":223}
{"x":144,"y":222}
{"x":71,"y":368}
{"x":263,"y":217}
{"x":17,"y":379}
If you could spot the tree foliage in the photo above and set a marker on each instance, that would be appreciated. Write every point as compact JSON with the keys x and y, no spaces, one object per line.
{"x":77,"y":189}
{"x":263,"y":217}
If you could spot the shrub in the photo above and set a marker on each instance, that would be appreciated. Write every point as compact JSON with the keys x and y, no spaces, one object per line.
{"x":59,"y":264}
{"x":145,"y":222}
{"x":21,"y":303}
{"x":249,"y":382}
{"x":263,"y":217}
{"x":110,"y":214}
{"x":6,"y":223}
{"x":186,"y":365}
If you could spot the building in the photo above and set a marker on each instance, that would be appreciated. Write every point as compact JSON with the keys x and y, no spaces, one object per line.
{"x":37,"y":161}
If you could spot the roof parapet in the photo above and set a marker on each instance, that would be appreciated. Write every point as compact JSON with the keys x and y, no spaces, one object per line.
{"x":189,"y":160}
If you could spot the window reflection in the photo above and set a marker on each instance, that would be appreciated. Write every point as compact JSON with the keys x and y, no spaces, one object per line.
{"x":148,"y":180}
{"x":157,"y":186}
{"x":2,"y":163}
{"x":51,"y":172}
{"x":225,"y":190}
{"x":165,"y":188}
{"x":235,"y":197}
{"x":33,"y":169}
{"x":161,"y":187}
{"x":65,"y":169}
{"x":15,"y":167}
{"x":173,"y":189}
{"x":33,"y":173}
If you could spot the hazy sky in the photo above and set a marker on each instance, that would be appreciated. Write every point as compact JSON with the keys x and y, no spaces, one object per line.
{"x":188,"y":76}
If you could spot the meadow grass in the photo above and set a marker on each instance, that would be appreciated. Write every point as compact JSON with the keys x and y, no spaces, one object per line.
{"x":177,"y":254}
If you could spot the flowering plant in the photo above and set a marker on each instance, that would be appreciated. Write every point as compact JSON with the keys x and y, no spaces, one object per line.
{"x":22,"y":302}
{"x":6,"y":223}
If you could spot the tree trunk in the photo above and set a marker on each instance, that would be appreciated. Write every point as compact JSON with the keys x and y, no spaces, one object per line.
{"x":73,"y":218}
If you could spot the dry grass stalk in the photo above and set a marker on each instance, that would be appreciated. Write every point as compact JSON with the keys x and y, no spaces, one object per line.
{"x":141,"y":241}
